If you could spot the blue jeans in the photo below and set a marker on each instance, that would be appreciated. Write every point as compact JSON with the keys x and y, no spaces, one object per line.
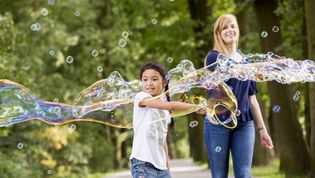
{"x":220,"y":140}
{"x":142,"y":169}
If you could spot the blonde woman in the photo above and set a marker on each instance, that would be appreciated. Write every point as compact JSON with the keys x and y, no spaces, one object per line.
{"x":219,"y":140}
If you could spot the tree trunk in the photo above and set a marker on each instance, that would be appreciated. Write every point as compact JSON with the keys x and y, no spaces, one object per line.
{"x":171,"y":145}
{"x":117,"y":152}
{"x":199,"y":11}
{"x":196,"y":140}
{"x":124,"y":148}
{"x":310,"y":28}
{"x":242,"y":7}
{"x":293,"y":152}
{"x":306,"y":86}
{"x":261,"y":155}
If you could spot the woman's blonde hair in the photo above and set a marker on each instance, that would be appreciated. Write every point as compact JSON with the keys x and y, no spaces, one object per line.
{"x":219,"y":44}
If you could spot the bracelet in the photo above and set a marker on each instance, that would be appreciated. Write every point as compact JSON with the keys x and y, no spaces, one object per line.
{"x":259,"y":129}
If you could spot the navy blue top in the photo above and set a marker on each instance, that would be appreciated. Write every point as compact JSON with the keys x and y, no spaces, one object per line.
{"x":241,"y":89}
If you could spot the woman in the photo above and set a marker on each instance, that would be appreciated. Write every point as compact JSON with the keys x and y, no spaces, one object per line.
{"x":240,"y":140}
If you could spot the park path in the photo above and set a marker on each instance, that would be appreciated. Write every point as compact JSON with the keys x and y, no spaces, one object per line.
{"x":180,"y":168}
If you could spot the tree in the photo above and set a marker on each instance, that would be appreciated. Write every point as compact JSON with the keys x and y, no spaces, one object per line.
{"x":292,"y":148}
{"x":310,"y":24}
{"x":243,"y":8}
{"x":199,"y":12}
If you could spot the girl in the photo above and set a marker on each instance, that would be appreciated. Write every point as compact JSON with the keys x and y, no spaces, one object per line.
{"x":240,"y":141}
{"x":149,"y":157}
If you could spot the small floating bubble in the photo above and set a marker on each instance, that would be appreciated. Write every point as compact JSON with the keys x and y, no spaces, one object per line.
{"x":122,"y":43}
{"x":51,"y":2}
{"x":276,"y":108}
{"x":238,"y":112}
{"x":44,"y":12}
{"x":51,"y":52}
{"x":94,"y":53}
{"x":49,"y":171}
{"x":275,"y":29}
{"x":99,"y":69}
{"x":20,"y":146}
{"x":264,"y":34}
{"x":217,"y":149}
{"x":296,"y":96}
{"x":193,"y":124}
{"x":154,"y":21}
{"x":169,"y":59}
{"x":72,"y":128}
{"x":77,"y":13}
{"x":69,"y":59}
{"x":125,"y":34}
{"x":36,"y":27}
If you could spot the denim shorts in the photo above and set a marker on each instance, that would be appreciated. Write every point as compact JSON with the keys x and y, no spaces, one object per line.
{"x":142,"y":169}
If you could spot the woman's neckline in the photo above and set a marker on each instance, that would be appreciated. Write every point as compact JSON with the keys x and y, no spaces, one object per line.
{"x":238,"y":52}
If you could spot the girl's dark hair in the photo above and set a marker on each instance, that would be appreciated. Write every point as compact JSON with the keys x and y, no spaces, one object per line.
{"x":163,"y":72}
{"x":155,"y":66}
{"x":172,"y":124}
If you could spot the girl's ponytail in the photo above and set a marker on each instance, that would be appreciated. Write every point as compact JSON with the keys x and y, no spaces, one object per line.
{"x":172,"y":123}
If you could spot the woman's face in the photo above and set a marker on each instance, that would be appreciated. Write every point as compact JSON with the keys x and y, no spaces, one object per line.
{"x":229,"y":32}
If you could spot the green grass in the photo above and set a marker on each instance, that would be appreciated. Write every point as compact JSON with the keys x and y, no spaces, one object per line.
{"x":271,"y":171}
{"x":267,"y":172}
{"x":97,"y":175}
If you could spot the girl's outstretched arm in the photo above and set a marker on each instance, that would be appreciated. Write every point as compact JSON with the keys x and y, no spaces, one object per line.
{"x":157,"y":103}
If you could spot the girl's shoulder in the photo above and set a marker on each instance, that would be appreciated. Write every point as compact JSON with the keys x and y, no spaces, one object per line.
{"x":141,"y":95}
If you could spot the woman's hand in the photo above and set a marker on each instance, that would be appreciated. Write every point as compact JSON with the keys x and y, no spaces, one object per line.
{"x":265,"y":139}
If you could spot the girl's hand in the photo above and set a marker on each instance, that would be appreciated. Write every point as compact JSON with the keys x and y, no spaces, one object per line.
{"x":265,"y":139}
{"x":168,"y":165}
{"x":201,"y":111}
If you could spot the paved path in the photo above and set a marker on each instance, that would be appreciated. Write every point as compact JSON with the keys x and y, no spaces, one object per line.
{"x":179,"y":169}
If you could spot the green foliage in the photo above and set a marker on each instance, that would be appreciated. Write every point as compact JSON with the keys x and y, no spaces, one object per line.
{"x":180,"y":137}
{"x":222,"y":7}
{"x":14,"y":164}
{"x":292,"y":16}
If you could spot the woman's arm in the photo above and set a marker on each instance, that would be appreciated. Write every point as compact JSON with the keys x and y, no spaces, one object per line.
{"x":156,"y":102}
{"x":264,"y":136}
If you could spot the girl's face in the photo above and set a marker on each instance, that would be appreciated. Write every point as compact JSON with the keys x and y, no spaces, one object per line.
{"x":152,"y":82}
{"x":229,"y":32}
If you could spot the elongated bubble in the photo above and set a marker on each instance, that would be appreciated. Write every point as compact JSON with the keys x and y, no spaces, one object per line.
{"x":110,"y":101}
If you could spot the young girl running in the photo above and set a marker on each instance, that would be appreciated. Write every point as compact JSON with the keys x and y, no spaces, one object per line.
{"x":149,"y":157}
